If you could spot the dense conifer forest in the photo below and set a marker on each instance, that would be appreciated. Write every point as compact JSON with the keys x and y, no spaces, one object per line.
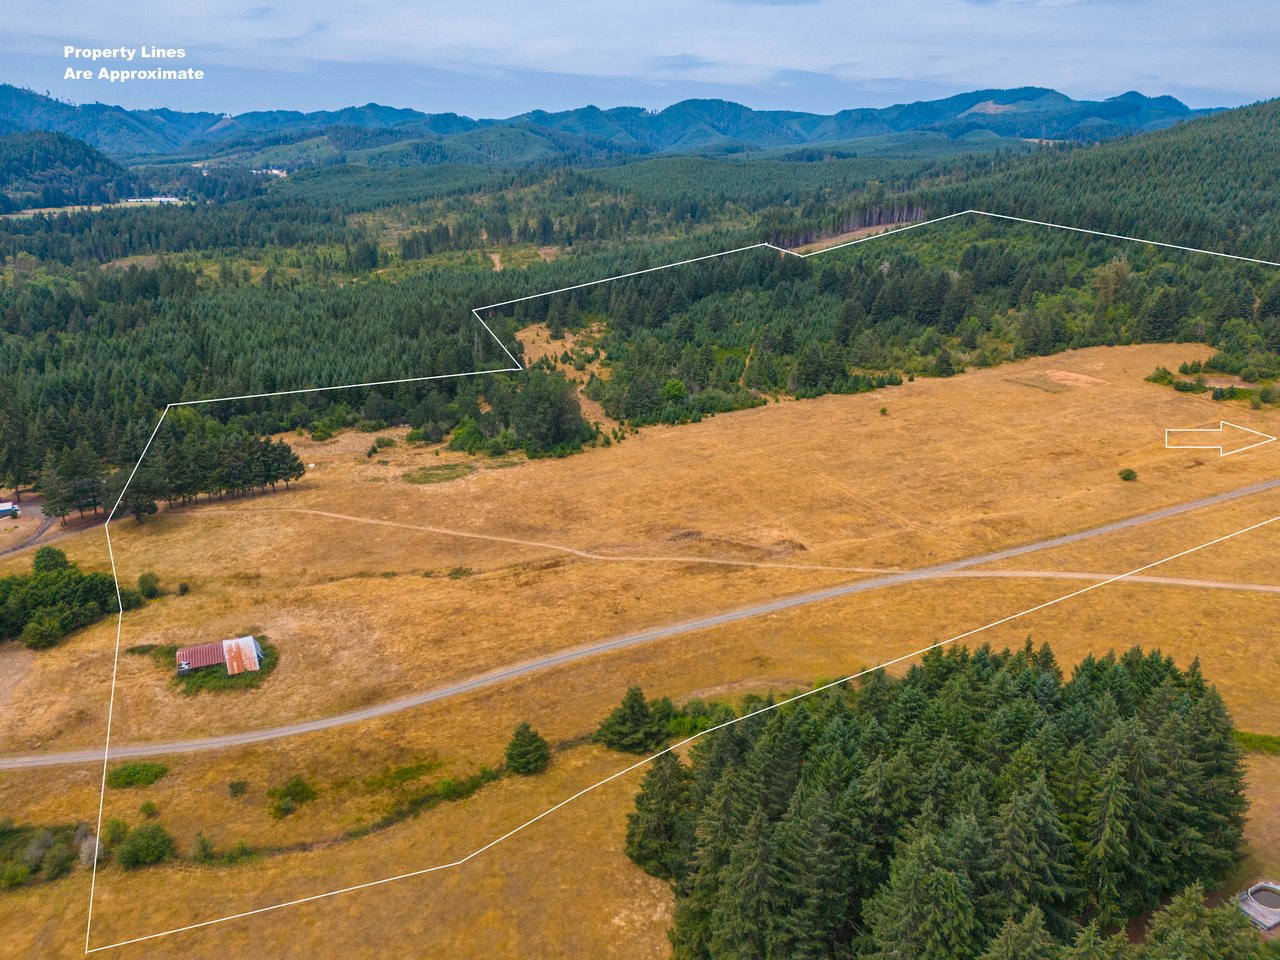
{"x":983,"y":806}
{"x":355,"y":275}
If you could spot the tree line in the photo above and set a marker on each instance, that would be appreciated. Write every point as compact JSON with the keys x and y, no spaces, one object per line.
{"x":190,"y":456}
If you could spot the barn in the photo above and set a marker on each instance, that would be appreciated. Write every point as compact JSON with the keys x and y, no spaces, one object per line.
{"x":237,"y":655}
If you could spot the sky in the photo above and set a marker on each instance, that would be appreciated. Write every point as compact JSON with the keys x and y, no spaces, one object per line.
{"x":497,"y":58}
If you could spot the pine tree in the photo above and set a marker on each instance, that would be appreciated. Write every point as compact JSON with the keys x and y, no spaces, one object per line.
{"x":1026,"y":939}
{"x":809,"y":867}
{"x":1220,"y":814}
{"x":81,"y":471}
{"x":1107,"y":855}
{"x":57,"y":496}
{"x":1090,"y":944}
{"x":740,"y":918}
{"x":630,"y":726}
{"x":1188,"y":927}
{"x":528,"y":751}
{"x":660,"y":831}
{"x":1031,"y":860}
{"x":924,"y":911}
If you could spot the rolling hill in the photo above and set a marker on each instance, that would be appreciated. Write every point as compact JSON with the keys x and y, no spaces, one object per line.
{"x":40,"y":169}
{"x":382,"y":135}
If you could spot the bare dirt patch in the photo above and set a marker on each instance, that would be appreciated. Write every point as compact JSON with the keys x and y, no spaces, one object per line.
{"x":835,"y":241}
{"x":539,"y":344}
{"x":1073,"y":378}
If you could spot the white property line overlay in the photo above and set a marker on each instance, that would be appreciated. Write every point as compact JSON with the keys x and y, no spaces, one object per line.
{"x":1266,"y":438}
{"x":516,"y":367}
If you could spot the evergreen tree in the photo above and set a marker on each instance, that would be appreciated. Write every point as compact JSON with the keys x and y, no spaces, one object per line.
{"x":1026,"y":939}
{"x":1031,"y":860}
{"x":57,"y":495}
{"x":1106,"y":858}
{"x":740,"y":918}
{"x":528,"y":751}
{"x":630,"y":726}
{"x":924,"y":911}
{"x":810,"y":873}
{"x":660,"y":831}
{"x":1188,"y":927}
{"x":1090,"y":944}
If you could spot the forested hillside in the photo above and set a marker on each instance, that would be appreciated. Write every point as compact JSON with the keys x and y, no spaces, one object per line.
{"x":348,"y":274}
{"x":1206,"y":183}
{"x":54,"y":170}
{"x":386,"y":136}
{"x":979,"y":808}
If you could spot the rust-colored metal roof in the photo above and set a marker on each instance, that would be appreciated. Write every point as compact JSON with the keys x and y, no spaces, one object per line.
{"x":202,"y":655}
{"x":241,"y":654}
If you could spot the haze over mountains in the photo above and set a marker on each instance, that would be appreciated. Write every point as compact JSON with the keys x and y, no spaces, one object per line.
{"x":395,"y":136}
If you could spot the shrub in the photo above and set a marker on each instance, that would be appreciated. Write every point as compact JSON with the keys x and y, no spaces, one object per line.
{"x":114,"y":831}
{"x":149,"y":810}
{"x":136,"y":775}
{"x":239,"y":851}
{"x":204,"y":848}
{"x":184,"y":588}
{"x":1128,"y":474}
{"x":49,"y":559}
{"x":528,"y":752}
{"x":37,"y":848}
{"x":44,"y":629}
{"x":290,"y":795}
{"x":14,"y":875}
{"x":237,"y":788}
{"x":149,"y":586}
{"x":144,"y":846}
{"x":58,"y":860}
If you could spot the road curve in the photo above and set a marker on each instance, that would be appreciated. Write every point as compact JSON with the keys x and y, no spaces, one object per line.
{"x":953,"y":568}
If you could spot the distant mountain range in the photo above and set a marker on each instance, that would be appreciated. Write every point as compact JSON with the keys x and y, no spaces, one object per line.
{"x":391,"y":136}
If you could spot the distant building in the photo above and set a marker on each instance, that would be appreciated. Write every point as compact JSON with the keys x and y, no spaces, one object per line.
{"x":154,"y":200}
{"x":9,"y":510}
{"x":238,"y":655}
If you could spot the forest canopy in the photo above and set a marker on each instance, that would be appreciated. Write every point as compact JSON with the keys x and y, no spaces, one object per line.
{"x":981,"y":799}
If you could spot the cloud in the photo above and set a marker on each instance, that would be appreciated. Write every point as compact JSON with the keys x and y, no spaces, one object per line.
{"x":812,"y":50}
{"x":681,"y":62}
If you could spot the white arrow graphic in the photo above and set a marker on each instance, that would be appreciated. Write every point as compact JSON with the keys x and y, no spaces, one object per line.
{"x":1224,"y":434}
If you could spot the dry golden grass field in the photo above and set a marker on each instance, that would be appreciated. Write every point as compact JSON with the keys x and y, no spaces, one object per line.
{"x":672,"y":524}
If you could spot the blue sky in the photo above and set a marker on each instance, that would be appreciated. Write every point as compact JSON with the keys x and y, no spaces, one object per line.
{"x":487,"y":58}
